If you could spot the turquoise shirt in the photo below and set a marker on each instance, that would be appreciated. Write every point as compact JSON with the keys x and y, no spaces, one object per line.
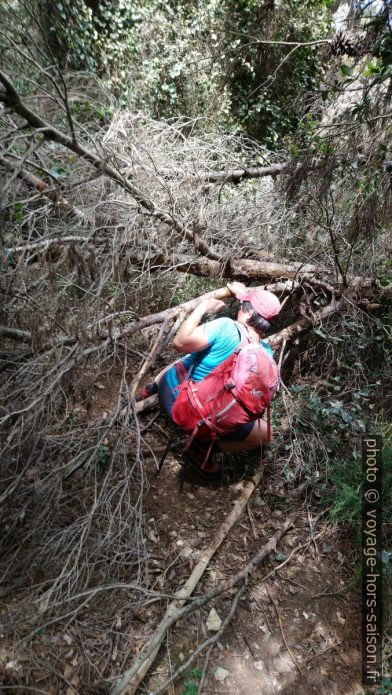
{"x":223,"y":337}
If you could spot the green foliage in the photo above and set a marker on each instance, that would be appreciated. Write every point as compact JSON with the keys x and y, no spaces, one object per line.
{"x":151,"y":53}
{"x":343,"y":492}
{"x":384,"y":689}
{"x":347,"y":402}
{"x":190,"y":287}
{"x":17,"y":213}
{"x":266,"y":78}
{"x":191,"y":682}
{"x":102,"y":456}
{"x":193,"y":59}
{"x":377,"y":66}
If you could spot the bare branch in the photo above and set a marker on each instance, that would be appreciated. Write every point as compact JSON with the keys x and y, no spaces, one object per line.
{"x":37,"y":183}
{"x":14,"y":101}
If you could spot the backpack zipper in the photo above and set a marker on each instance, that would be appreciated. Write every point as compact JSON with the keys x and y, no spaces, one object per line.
{"x":226,"y":408}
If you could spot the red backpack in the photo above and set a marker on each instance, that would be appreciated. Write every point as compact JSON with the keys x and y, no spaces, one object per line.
{"x":237,"y":391}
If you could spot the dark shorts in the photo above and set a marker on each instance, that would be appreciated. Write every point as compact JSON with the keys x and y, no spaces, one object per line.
{"x":167,"y":399}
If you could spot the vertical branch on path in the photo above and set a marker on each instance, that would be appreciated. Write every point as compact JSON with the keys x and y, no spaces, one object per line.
{"x":131,"y":679}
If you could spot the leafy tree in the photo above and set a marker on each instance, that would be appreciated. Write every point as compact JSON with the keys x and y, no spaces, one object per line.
{"x":213,"y":59}
{"x":267,"y":66}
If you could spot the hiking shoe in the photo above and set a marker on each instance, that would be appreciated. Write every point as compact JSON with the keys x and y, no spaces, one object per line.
{"x":147,"y":391}
{"x":195,"y":458}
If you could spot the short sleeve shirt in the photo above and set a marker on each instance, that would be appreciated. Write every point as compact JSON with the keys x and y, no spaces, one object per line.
{"x":223,"y":337}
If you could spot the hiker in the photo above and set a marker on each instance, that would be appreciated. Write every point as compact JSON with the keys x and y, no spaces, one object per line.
{"x":206,"y":346}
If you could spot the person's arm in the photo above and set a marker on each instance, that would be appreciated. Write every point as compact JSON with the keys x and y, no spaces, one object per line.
{"x":191,"y":337}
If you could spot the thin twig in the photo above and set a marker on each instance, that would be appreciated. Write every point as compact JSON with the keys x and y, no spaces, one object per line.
{"x":275,"y":605}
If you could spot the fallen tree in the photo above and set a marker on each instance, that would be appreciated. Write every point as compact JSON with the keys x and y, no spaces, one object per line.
{"x":240,"y":174}
{"x":96,"y":334}
{"x":230,"y":268}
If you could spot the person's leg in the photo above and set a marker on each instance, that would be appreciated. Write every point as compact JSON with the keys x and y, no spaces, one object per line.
{"x":152,"y":387}
{"x":166,"y":396}
{"x":159,"y":376}
{"x":198,"y":454}
{"x":257,"y":436}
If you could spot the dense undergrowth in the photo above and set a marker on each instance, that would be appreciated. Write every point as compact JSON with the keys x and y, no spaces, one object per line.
{"x":83,"y":257}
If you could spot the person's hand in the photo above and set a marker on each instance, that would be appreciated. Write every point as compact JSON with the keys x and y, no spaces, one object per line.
{"x":212,"y":305}
{"x":235,"y":287}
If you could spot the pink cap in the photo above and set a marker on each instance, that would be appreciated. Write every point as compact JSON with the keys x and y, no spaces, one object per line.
{"x":265,"y":303}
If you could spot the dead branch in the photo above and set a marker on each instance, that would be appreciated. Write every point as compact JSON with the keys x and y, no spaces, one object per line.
{"x":45,"y":244}
{"x":38,"y":184}
{"x":247,"y":173}
{"x":234,"y":175}
{"x":157,"y":345}
{"x":248,"y":268}
{"x":118,"y":333}
{"x":15,"y":334}
{"x":277,"y":611}
{"x":13,"y":100}
{"x":149,"y":402}
{"x":132,"y":677}
{"x":209,"y":642}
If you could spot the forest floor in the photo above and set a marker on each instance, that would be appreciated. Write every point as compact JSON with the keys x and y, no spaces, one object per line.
{"x":309,"y":643}
{"x":321,"y":631}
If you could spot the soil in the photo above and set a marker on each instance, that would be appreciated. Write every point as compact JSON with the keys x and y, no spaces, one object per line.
{"x":321,"y":632}
{"x":309,"y":643}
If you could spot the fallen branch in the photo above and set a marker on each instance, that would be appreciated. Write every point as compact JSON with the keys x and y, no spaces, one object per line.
{"x":256,"y":269}
{"x":146,"y":364}
{"x":237,"y":175}
{"x":38,"y":184}
{"x":132,"y":677}
{"x":13,"y":100}
{"x":322,"y":651}
{"x":15,"y":334}
{"x":209,"y":642}
{"x":275,"y":605}
{"x":126,"y":687}
{"x":45,"y":244}
{"x":149,"y":402}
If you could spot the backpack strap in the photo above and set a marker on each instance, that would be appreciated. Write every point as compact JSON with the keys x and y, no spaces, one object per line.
{"x":269,"y":421}
{"x":244,"y":333}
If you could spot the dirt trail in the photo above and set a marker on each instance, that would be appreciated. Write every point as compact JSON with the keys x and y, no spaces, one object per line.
{"x":322,"y":633}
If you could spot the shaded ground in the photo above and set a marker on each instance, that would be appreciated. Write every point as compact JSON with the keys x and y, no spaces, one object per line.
{"x":321,"y":632}
{"x":312,"y":647}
